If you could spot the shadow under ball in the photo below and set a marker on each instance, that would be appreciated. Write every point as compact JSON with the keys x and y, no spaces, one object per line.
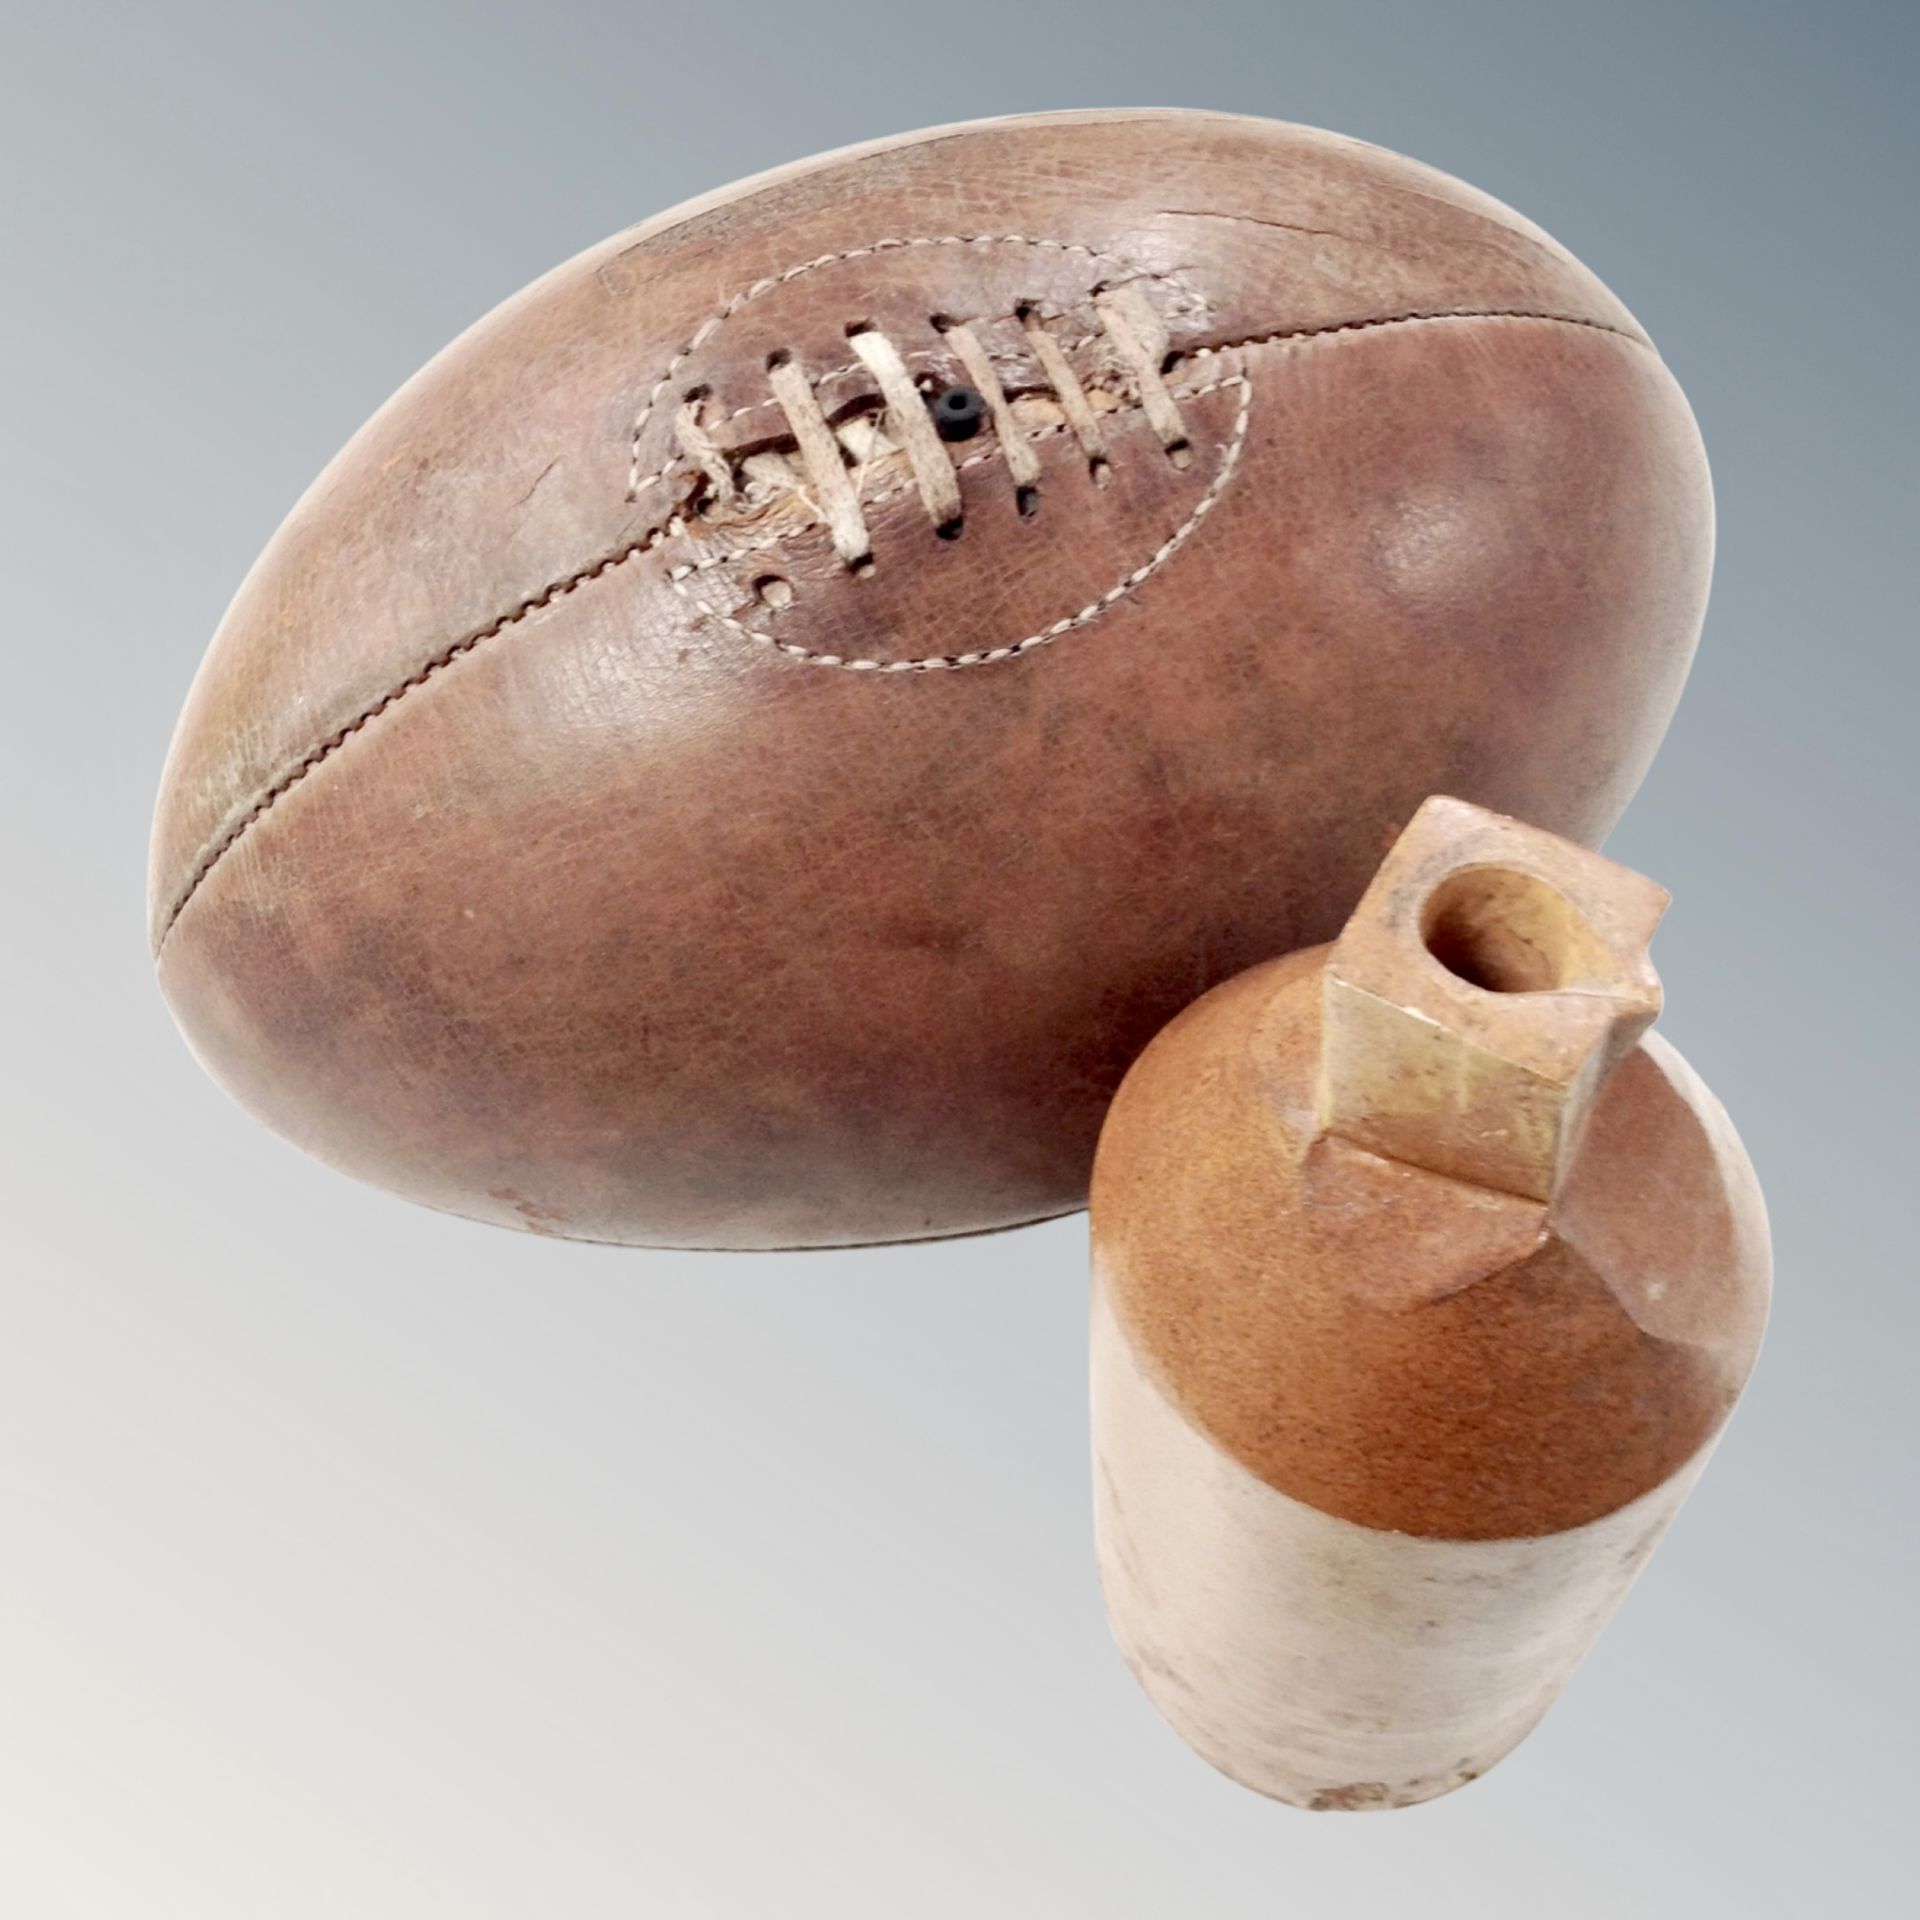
{"x":657,"y":788}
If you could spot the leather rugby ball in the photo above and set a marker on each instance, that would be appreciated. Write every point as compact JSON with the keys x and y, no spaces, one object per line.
{"x":748,"y":745}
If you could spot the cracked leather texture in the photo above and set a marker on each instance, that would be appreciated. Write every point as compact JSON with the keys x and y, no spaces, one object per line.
{"x":513,"y":856}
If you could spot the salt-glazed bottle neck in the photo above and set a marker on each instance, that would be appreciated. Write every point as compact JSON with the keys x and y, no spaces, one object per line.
{"x":1490,"y":979}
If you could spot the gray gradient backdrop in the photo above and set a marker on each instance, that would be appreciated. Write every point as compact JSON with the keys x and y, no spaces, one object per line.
{"x":359,"y":1564}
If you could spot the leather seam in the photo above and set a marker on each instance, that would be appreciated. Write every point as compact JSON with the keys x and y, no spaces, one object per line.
{"x":646,"y":542}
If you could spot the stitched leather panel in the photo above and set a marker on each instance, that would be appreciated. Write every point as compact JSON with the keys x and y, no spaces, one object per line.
{"x":628,"y":926}
{"x":507,"y":466}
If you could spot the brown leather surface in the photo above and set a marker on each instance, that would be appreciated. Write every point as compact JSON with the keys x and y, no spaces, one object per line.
{"x":514,"y":855}
{"x":1406,"y":1350}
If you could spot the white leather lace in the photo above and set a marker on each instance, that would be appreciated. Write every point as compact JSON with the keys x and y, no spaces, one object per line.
{"x":1134,"y":332}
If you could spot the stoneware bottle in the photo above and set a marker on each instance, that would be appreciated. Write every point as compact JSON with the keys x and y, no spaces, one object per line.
{"x":1425,"y":1278}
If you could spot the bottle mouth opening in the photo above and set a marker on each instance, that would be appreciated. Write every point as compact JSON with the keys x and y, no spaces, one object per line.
{"x":1505,"y":931}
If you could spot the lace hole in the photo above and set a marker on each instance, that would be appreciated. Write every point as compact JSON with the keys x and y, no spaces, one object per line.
{"x":958,"y":412}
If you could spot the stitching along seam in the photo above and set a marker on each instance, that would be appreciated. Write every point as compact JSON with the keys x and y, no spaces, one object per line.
{"x":646,"y":542}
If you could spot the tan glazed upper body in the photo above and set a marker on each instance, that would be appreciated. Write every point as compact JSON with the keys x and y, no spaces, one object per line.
{"x":643,"y":794}
{"x":1378,"y":1332}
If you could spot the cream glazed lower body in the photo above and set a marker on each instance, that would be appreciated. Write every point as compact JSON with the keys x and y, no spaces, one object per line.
{"x":1323,"y":1663}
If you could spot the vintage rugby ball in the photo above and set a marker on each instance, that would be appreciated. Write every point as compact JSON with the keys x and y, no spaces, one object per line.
{"x":749,"y":744}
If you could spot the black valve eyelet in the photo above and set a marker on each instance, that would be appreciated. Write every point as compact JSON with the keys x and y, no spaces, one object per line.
{"x":958,"y":412}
